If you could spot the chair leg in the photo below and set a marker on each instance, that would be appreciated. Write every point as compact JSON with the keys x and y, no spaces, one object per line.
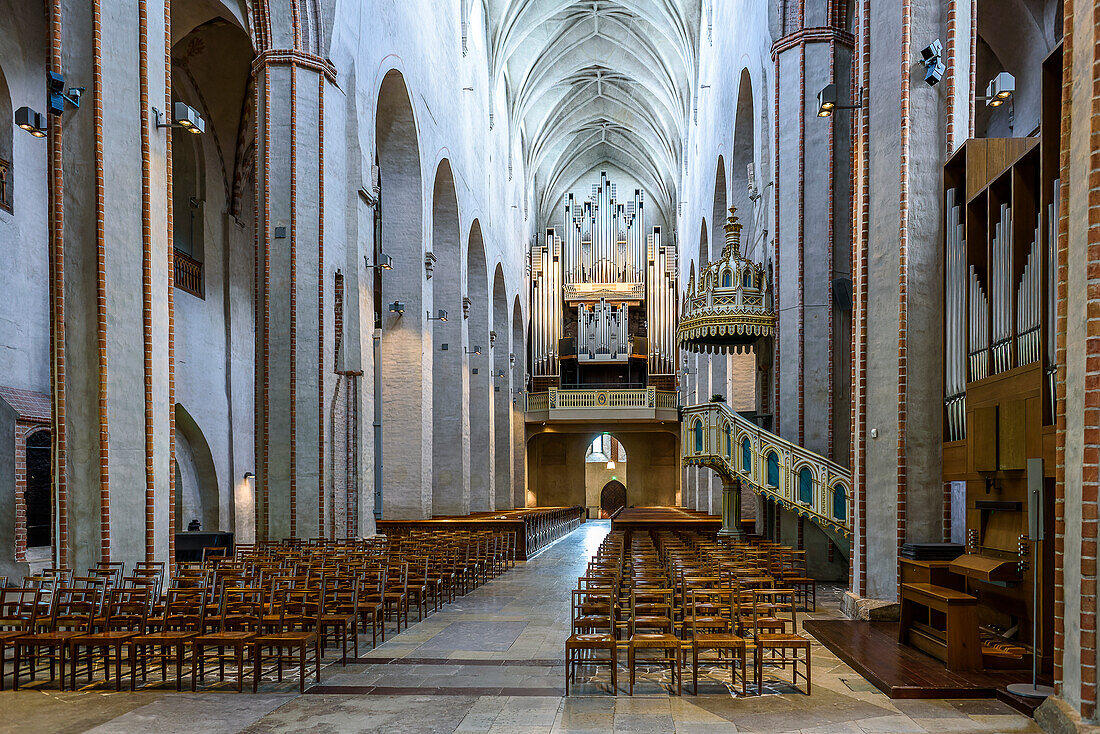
{"x":255,"y":667}
{"x":630,"y":655}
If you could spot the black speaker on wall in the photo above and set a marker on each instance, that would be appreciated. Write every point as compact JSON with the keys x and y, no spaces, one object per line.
{"x":567,"y":348}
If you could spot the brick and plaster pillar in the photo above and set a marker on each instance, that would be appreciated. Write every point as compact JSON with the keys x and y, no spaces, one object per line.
{"x":897,"y":433}
{"x":116,"y":283}
{"x":294,"y":362}
{"x":812,"y":245}
{"x":1077,"y":478}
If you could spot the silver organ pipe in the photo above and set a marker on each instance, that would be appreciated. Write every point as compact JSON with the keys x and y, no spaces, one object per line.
{"x":979,"y":329}
{"x":955,"y":319}
{"x":1051,"y":306}
{"x":1001,"y":291}
{"x":1027,"y":307}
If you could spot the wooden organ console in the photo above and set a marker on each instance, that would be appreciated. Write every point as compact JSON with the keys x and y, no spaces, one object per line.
{"x":1001,"y":208}
{"x":604,"y":297}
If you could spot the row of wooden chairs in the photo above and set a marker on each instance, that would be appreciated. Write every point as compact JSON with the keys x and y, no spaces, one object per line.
{"x":271,"y":603}
{"x":679,"y":596}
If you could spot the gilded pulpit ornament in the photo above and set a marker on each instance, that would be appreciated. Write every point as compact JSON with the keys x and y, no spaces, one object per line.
{"x":729,"y":309}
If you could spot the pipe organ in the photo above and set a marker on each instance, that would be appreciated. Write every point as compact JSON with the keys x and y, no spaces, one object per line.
{"x":991,"y":332}
{"x":1001,"y":198}
{"x":604,"y":293}
{"x":602,"y":332}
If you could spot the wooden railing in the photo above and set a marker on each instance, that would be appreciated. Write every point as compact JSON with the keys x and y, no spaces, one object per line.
{"x":806,"y":483}
{"x":6,"y":193}
{"x":188,"y":273}
{"x":599,"y":399}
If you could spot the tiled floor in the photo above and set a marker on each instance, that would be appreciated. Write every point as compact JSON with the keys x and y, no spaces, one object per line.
{"x":492,"y":662}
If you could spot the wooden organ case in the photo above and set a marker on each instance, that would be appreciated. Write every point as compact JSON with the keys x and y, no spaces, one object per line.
{"x":1001,"y":208}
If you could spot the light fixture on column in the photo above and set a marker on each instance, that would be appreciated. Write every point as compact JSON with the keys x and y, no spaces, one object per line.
{"x":385,"y":262}
{"x":397,"y":307}
{"x":999,"y":90}
{"x":249,"y":475}
{"x":31,"y":121}
{"x":183,"y":116}
{"x":511,"y":359}
{"x":441,"y":317}
{"x":475,"y":350}
{"x":932,"y":58}
{"x":827,"y":101}
{"x":56,"y":95}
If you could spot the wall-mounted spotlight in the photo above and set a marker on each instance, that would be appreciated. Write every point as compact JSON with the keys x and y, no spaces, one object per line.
{"x":827,"y":102}
{"x":511,"y":359}
{"x":932,"y":58}
{"x":249,"y":475}
{"x":183,"y":116}
{"x":31,"y":121}
{"x":56,"y":95}
{"x":385,"y":262}
{"x":476,"y":350}
{"x":1000,"y":89}
{"x":397,"y":307}
{"x":441,"y":317}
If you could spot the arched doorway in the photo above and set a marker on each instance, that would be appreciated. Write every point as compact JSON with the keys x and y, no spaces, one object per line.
{"x":604,"y":464}
{"x":612,"y":497}
{"x":38,"y":497}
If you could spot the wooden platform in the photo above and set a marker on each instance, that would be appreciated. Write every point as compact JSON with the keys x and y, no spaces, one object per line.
{"x":665,"y":518}
{"x":900,"y":671}
{"x":535,"y":527}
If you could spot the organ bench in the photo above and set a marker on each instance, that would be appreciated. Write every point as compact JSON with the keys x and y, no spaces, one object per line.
{"x":942,"y":622}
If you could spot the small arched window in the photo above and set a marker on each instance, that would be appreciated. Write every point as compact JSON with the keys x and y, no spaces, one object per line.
{"x":773,"y":469}
{"x":746,"y":279}
{"x":746,"y":455}
{"x":840,"y":503}
{"x":727,"y":279}
{"x":698,"y":431}
{"x":805,"y":485}
{"x":729,"y":440}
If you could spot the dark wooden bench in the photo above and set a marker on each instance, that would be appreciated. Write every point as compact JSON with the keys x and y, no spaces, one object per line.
{"x":942,"y":622}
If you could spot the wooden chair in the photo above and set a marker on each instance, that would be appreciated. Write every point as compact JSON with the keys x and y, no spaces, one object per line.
{"x":242,"y":611}
{"x":396,"y":596}
{"x":772,"y":647}
{"x":713,"y":618}
{"x":72,"y":612}
{"x":125,"y":615}
{"x":372,"y":585}
{"x":18,"y":610}
{"x":653,"y":628}
{"x":299,"y":629}
{"x":592,"y":609}
{"x":184,"y":619}
{"x":340,"y":611}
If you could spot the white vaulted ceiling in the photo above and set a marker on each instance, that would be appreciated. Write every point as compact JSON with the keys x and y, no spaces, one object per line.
{"x":593,"y":83}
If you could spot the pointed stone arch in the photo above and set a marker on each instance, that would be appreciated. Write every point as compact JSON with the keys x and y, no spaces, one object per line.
{"x":502,"y":394}
{"x":450,"y":363}
{"x":519,"y":383}
{"x":406,"y":370}
{"x":482,"y":468}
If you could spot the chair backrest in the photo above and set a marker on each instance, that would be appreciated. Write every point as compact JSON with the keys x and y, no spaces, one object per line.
{"x":74,"y":608}
{"x":185,"y":609}
{"x":127,"y":609}
{"x":653,"y":607}
{"x":299,"y":608}
{"x":712,"y":609}
{"x":242,"y":608}
{"x":591,"y":603}
{"x":19,"y":608}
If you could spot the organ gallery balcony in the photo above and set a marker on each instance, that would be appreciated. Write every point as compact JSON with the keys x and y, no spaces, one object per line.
{"x":587,"y":404}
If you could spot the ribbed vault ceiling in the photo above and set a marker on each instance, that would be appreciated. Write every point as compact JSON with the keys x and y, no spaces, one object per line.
{"x":597,"y":82}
